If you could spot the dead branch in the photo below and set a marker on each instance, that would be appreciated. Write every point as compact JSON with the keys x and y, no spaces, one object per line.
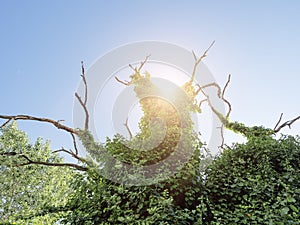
{"x":85,"y":83}
{"x":40,"y":119}
{"x":277,"y":124}
{"x":7,"y":122}
{"x":224,"y":99}
{"x":197,"y":61}
{"x":83,"y":103}
{"x":135,"y":69}
{"x":201,"y":102}
{"x":220,"y":93}
{"x":58,"y":125}
{"x":74,"y":143}
{"x":288,"y":123}
{"x":222,"y":137}
{"x":226,"y":85}
{"x":128,"y":129}
{"x":30,"y":161}
{"x":214,"y":84}
{"x":127,"y":83}
{"x":143,"y":63}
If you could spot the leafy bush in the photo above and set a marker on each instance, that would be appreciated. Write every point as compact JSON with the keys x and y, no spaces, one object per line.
{"x":256,"y":183}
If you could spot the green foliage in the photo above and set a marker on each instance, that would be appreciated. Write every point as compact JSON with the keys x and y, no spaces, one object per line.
{"x":177,"y":199}
{"x":257,"y":182}
{"x":27,"y":191}
{"x":253,"y":183}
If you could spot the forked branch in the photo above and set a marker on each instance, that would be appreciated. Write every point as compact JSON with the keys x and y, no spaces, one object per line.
{"x":83,"y":102}
{"x":58,"y":125}
{"x":198,"y":60}
{"x":126,"y":83}
{"x":288,"y":123}
{"x":137,"y":70}
{"x":220,"y":93}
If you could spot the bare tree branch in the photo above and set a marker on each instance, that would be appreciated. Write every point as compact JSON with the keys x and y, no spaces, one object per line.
{"x":128,"y":129}
{"x":143,"y":63}
{"x":127,"y":83}
{"x":224,"y":99}
{"x":85,"y":83}
{"x":197,"y":61}
{"x":135,"y":69}
{"x":222,"y":137}
{"x":74,"y":143}
{"x":214,"y":84}
{"x":58,"y":125}
{"x":226,"y":85}
{"x":40,"y":119}
{"x":220,"y":93}
{"x":277,"y":124}
{"x":201,"y":102}
{"x":7,"y":122}
{"x":83,"y":103}
{"x":287,"y":123}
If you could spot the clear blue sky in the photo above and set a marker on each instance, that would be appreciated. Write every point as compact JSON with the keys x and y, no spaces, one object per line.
{"x":43,"y":42}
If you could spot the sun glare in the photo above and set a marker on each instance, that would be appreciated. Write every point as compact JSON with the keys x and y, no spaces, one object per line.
{"x":167,"y":78}
{"x":167,"y":72}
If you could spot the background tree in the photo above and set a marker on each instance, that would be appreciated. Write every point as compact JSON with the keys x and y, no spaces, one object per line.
{"x":28,"y":188}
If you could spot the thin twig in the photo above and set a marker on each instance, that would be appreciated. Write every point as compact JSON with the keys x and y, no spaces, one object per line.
{"x":136,"y":70}
{"x":280,"y":118}
{"x":197,"y":61}
{"x":201,"y":102}
{"x":83,"y":103}
{"x":226,"y":85}
{"x":85,"y":83}
{"x":70,"y":152}
{"x":4,"y":124}
{"x":143,"y":63}
{"x":127,"y":83}
{"x":86,"y":124}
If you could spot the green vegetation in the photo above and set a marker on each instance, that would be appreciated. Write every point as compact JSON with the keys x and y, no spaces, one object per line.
{"x":253,"y":183}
